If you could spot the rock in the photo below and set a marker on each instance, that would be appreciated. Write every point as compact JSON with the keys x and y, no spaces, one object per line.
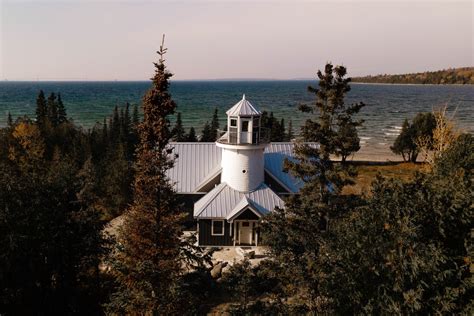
{"x":216,"y":270}
{"x":250,"y":255}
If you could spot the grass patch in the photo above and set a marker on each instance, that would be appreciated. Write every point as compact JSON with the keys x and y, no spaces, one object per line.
{"x":368,"y":170}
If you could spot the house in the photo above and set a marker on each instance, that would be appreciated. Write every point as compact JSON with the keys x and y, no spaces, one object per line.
{"x":233,"y":183}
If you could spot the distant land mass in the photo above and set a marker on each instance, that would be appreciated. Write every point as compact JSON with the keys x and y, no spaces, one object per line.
{"x":464,"y":75}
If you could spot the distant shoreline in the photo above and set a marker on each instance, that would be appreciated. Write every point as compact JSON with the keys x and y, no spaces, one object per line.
{"x":412,"y":84}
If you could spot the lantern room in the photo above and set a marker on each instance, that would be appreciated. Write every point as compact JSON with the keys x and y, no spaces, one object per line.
{"x":243,"y":124}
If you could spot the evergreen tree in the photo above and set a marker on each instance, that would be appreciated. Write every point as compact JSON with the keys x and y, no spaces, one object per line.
{"x":295,"y":233}
{"x":105,"y":133}
{"x":214,"y":125}
{"x":135,"y":116}
{"x":62,"y":116}
{"x":114,"y":126}
{"x":206,"y":133}
{"x":179,"y":135}
{"x":9,"y":120}
{"x":192,"y":135}
{"x":148,"y":257}
{"x":335,"y":129}
{"x":41,"y":109}
{"x":290,"y":133}
{"x":53,"y":110}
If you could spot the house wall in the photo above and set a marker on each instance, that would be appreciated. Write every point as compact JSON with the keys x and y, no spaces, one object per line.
{"x":205,"y":238}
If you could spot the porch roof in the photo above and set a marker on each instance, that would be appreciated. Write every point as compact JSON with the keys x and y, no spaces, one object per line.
{"x":225,"y":202}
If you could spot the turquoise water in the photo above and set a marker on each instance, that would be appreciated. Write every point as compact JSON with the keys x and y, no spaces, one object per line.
{"x":386,"y":105}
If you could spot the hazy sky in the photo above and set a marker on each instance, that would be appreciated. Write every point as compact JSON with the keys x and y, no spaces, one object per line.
{"x":107,"y":40}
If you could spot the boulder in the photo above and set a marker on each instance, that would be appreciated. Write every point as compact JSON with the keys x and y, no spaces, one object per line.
{"x":216,"y":270}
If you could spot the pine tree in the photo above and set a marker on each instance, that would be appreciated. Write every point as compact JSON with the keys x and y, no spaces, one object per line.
{"x":295,"y":233}
{"x":335,"y":128}
{"x":41,"y":109}
{"x":206,"y":133}
{"x":214,"y":125}
{"x":179,"y":135}
{"x":148,"y":262}
{"x":192,"y":135}
{"x":62,"y":116}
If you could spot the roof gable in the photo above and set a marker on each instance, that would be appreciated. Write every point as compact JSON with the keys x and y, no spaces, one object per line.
{"x":225,"y":202}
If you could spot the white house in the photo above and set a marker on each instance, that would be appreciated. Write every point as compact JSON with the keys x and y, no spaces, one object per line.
{"x":235,"y":181}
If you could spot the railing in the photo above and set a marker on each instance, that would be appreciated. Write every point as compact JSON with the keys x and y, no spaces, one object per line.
{"x":254,"y":138}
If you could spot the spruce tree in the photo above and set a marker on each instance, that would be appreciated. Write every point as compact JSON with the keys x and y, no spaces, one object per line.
{"x":179,"y":135}
{"x":148,"y":258}
{"x":41,"y":109}
{"x":192,"y":135}
{"x":206,"y":133}
{"x":9,"y":120}
{"x":53,"y":109}
{"x":214,"y":125}
{"x":62,"y":116}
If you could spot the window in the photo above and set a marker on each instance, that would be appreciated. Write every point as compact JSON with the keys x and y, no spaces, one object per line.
{"x":217,"y":228}
{"x":233,"y":122}
{"x":245,"y":126}
{"x":245,"y":224}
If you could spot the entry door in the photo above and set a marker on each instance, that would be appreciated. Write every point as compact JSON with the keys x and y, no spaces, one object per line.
{"x":245,"y":233}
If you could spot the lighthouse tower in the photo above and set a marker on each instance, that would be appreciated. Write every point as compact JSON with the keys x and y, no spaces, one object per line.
{"x":242,"y":149}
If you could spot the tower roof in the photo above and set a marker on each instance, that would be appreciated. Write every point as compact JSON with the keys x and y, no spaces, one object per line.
{"x":243,"y":108}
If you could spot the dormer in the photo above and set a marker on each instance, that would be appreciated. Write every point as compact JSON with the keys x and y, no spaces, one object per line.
{"x":243,"y":124}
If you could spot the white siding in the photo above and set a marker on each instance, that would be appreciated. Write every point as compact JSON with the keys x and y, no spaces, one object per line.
{"x":243,"y":169}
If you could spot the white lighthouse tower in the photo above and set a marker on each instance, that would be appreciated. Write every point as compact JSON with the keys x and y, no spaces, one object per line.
{"x":242,"y":148}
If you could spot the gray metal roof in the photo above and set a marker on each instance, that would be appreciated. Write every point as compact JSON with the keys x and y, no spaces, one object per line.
{"x":275,"y":155}
{"x":198,"y":163}
{"x":224,"y":202}
{"x":243,"y":108}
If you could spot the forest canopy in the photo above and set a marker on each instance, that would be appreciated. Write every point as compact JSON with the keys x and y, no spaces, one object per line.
{"x":464,"y":75}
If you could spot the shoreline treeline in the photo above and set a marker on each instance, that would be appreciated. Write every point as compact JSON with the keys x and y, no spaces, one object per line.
{"x":463,"y":75}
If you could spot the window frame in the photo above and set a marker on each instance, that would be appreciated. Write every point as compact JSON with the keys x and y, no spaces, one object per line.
{"x":212,"y":227}
{"x":245,"y":123}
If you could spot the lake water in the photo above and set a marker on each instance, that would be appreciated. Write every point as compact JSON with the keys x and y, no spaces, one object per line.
{"x":386,"y":105}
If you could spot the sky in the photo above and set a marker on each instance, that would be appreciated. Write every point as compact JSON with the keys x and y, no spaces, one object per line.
{"x":117,"y":40}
